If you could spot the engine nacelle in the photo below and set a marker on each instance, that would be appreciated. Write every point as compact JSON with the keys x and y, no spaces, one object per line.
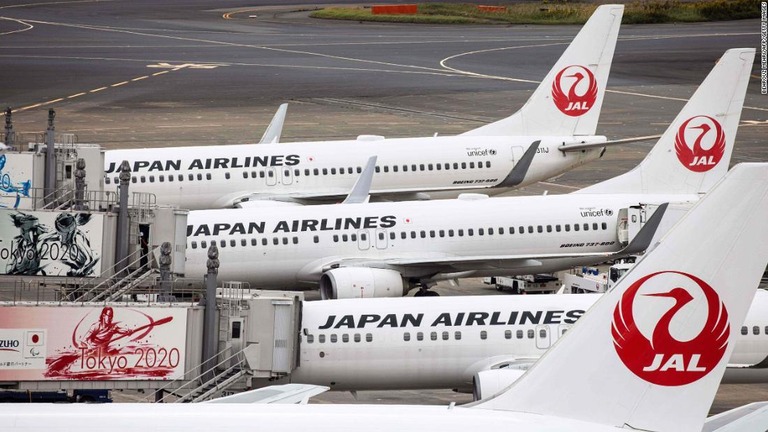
{"x":490,"y":382}
{"x":360,"y":282}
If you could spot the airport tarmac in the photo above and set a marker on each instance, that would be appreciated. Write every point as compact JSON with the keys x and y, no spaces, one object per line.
{"x":151,"y":73}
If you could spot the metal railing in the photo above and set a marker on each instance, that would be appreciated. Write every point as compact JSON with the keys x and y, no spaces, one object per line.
{"x":196,"y":383}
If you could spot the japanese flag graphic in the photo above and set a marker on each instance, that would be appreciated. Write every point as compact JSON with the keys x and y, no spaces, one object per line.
{"x":35,"y":338}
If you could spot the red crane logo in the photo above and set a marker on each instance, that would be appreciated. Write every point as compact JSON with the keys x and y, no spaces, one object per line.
{"x":695,"y":157}
{"x":664,"y":360}
{"x":571,"y":103}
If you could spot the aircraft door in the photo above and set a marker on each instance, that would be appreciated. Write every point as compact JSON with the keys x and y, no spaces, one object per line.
{"x":271,"y":176}
{"x":363,"y":240}
{"x":287,"y":177}
{"x":381,"y":239}
{"x":542,"y":337}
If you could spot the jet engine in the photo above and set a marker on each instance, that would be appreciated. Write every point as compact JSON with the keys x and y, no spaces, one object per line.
{"x":490,"y":382}
{"x":360,"y":282}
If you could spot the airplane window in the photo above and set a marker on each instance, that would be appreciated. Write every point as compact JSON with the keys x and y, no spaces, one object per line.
{"x":243,"y":242}
{"x":549,"y":228}
{"x":557,"y":228}
{"x":378,"y":169}
{"x":335,"y":238}
{"x":295,"y":240}
{"x":441,"y":233}
{"x":470,"y":232}
{"x":275,"y":241}
{"x":203,"y":244}
{"x":107,"y":180}
{"x":432,"y":233}
{"x":420,"y":336}
{"x":403,"y":235}
{"x":766,"y":330}
{"x":461,"y":233}
{"x":394,"y":168}
{"x":542,"y":333}
{"x":605,"y":226}
{"x":423,"y":234}
{"x":530,"y":229}
{"x":501,"y":230}
{"x":116,"y":180}
{"x":245,"y":174}
{"x":540,"y":229}
{"x":261,"y":174}
{"x":310,"y":338}
{"x":297,"y":172}
{"x":381,"y":236}
{"x":316,"y":239}
{"x":567,"y":227}
{"x":463,"y":165}
{"x":359,"y":170}
{"x":508,"y":334}
{"x":270,"y":174}
{"x":521,"y":230}
{"x":194,"y":245}
{"x":233,"y":243}
{"x":287,"y":173}
{"x":563,"y":331}
{"x":349,"y":170}
{"x":519,"y":334}
{"x":413,"y":234}
{"x":438,"y":167}
{"x":433,"y":336}
{"x":223,"y":243}
{"x":483,"y":335}
{"x":586,"y":227}
{"x":254,"y":242}
{"x":161,"y":178}
{"x":421,"y":167}
{"x":455,"y":165}
{"x":325,"y":171}
{"x":386,"y":168}
{"x":226,"y":176}
{"x":333,"y":171}
{"x":457,"y":335}
{"x":207,"y":176}
{"x":406,"y":336}
{"x":345,"y":338}
{"x":363,"y":237}
{"x":357,"y":337}
{"x":480,"y":231}
{"x":334,"y":338}
{"x":353,"y":237}
{"x":344,"y":237}
{"x":264,"y":241}
{"x":445,"y":335}
{"x":199,"y":176}
{"x":392,"y":236}
{"x":413,"y":167}
{"x":530,"y":334}
{"x":285,"y":240}
{"x":170,"y":178}
{"x":321,"y":338}
{"x":429,"y":167}
{"x":316,"y":171}
{"x":405,"y":168}
{"x":487,"y":164}
{"x":756,"y":330}
{"x":575,"y":227}
{"x":594,"y":226}
{"x":143,"y":179}
{"x":471,"y":164}
{"x":253,"y":174}
{"x":368,"y":337}
{"x":306,"y":172}
{"x":490,"y":231}
{"x":341,"y":170}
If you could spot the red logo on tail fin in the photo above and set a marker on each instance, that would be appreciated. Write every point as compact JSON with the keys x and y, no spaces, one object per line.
{"x":572,"y":103}
{"x":664,"y":360}
{"x":706,"y":130}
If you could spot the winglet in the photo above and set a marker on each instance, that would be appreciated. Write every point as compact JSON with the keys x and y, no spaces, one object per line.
{"x":650,"y":354}
{"x":362,"y":188}
{"x":275,"y":128}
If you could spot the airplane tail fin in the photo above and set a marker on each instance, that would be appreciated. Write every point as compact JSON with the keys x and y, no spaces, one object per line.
{"x":695,"y":151}
{"x":650,"y":354}
{"x":569,"y":99}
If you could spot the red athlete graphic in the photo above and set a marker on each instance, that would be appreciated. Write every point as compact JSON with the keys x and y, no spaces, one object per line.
{"x":694,"y":157}
{"x":665,"y":360}
{"x":573,"y":104}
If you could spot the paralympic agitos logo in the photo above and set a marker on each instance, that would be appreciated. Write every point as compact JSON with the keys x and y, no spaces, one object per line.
{"x":708,"y":145}
{"x":665,"y":359}
{"x":581,"y":94}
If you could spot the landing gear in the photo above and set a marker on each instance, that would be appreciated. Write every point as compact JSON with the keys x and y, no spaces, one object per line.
{"x":426,"y":293}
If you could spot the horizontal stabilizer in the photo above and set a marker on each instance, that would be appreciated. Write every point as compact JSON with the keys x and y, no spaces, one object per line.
{"x":748,"y":418}
{"x":277,"y":394}
{"x":590,"y":145}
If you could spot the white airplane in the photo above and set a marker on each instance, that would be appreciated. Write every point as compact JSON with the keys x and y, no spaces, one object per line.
{"x":533,"y":144}
{"x":477,"y":344}
{"x":649,"y":355}
{"x":383,"y":249}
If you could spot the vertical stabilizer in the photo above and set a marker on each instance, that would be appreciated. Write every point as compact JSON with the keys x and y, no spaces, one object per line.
{"x":695,"y":151}
{"x":569,"y":100}
{"x":650,"y":354}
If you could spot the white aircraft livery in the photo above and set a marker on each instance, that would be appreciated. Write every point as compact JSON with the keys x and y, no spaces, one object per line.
{"x":383,"y":249}
{"x":649,"y":355}
{"x":467,"y":343}
{"x":529,"y":146}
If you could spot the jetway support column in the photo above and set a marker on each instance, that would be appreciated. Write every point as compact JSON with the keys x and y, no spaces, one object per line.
{"x":49,"y":181}
{"x":209,"y":318}
{"x":9,"y":136}
{"x":123,"y":225}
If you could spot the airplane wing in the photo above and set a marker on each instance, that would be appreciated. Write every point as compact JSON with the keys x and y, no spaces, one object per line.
{"x":277,"y":394}
{"x":748,"y":418}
